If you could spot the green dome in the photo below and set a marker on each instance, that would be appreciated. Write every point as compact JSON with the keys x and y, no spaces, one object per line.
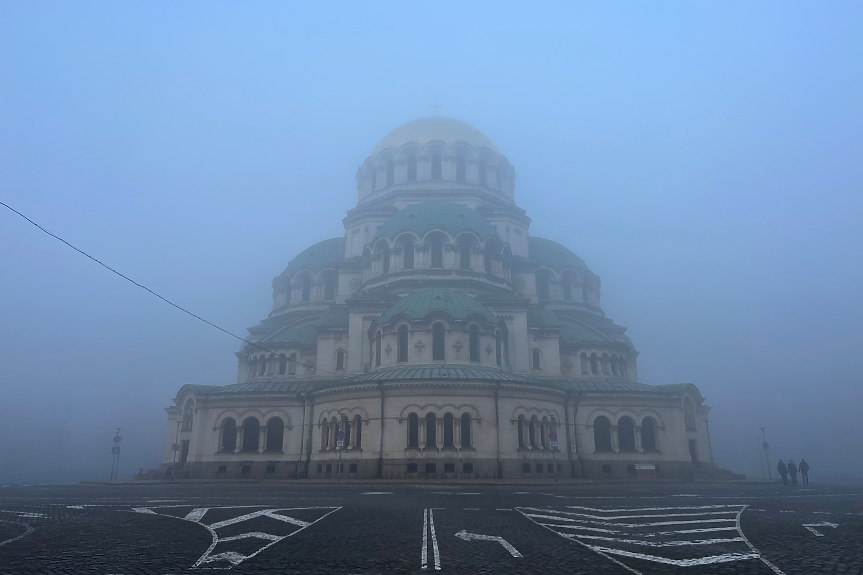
{"x":319,"y":256}
{"x":555,"y":255}
{"x":420,"y":304}
{"x":446,"y":216}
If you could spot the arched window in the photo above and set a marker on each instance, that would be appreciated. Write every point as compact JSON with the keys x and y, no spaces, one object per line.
{"x":435,"y":167}
{"x":292,"y":364}
{"x":689,"y":415}
{"x":613,"y":361}
{"x":407,"y":254}
{"x":438,"y":352}
{"x":534,"y":423}
{"x":374,"y":177}
{"x":543,"y":432}
{"x":188,"y":414}
{"x":648,"y":434}
{"x":585,"y":294}
{"x":345,"y":426}
{"x":307,"y":288}
{"x":482,"y":172}
{"x":288,"y":290}
{"x":413,"y":431}
{"x":378,"y":337}
{"x":536,"y":359}
{"x":384,"y":250}
{"x":253,"y":366}
{"x":431,"y":431}
{"x":521,"y":430}
{"x":621,"y":365}
{"x":330,"y":285}
{"x":270,"y":363}
{"x":594,"y":364}
{"x":474,"y":342}
{"x":585,"y":364}
{"x":448,"y":430}
{"x":542,"y":284}
{"x":412,"y":168}
{"x":229,"y":434}
{"x":403,"y":343}
{"x":340,"y":360}
{"x":488,"y":258}
{"x":626,"y":434}
{"x":275,"y":434}
{"x":602,"y":434}
{"x":436,"y":251}
{"x":465,"y":430}
{"x":358,"y":432}
{"x":251,"y":433}
{"x":283,"y":364}
{"x":325,"y":434}
{"x":464,"y":252}
{"x":567,"y":289}
{"x":262,"y":365}
{"x":498,"y":348}
{"x":391,"y":171}
{"x":459,"y":169}
{"x":605,"y":368}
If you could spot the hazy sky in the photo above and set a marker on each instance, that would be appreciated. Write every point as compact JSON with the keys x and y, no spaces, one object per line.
{"x":705,"y":160}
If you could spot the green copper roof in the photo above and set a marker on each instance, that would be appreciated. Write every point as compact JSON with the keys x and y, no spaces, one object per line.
{"x":555,"y":255}
{"x":319,"y":256}
{"x":446,"y":216}
{"x":420,"y":304}
{"x":303,"y":334}
{"x":573,"y":332}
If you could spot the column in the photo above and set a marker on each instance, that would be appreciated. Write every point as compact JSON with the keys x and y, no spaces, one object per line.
{"x":615,"y":440}
{"x":239,"y":439}
{"x":638,"y":439}
{"x":421,"y":429}
{"x":439,"y":432}
{"x":262,"y":438}
{"x":456,"y":432}
{"x":285,"y":439}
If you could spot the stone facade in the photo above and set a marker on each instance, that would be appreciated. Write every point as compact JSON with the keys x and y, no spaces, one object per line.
{"x":436,"y":340}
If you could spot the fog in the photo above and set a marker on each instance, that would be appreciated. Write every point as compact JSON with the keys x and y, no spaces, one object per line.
{"x":703,"y":159}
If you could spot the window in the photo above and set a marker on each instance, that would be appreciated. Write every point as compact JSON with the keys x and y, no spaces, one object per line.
{"x":246,"y":468}
{"x":594,"y":367}
{"x":275,"y":434}
{"x":325,"y":435}
{"x":602,"y":434}
{"x":358,"y":432}
{"x":413,"y":431}
{"x":340,"y":360}
{"x":689,"y":415}
{"x":403,"y":343}
{"x":491,"y":252}
{"x":464,"y":252}
{"x":474,"y":342}
{"x":465,"y":430}
{"x":288,"y":291}
{"x":532,"y":431}
{"x":626,"y":434}
{"x":431,"y":431}
{"x":438,"y":342}
{"x":251,"y":433}
{"x":391,"y":171}
{"x":449,"y":467}
{"x":330,"y":283}
{"x":283,"y":364}
{"x":188,"y":414}
{"x":307,"y":289}
{"x":497,"y":348}
{"x":567,"y":289}
{"x":229,"y":434}
{"x":412,"y":168}
{"x":407,"y":254}
{"x":648,"y":434}
{"x":271,"y":469}
{"x":605,"y":367}
{"x":328,"y":469}
{"x":435,"y":167}
{"x":352,"y":468}
{"x":448,"y":430}
{"x":525,"y":468}
{"x":614,"y":365}
{"x":536,"y":359}
{"x":467,"y":468}
{"x":253,"y":366}
{"x":459,"y":169}
{"x":412,"y":467}
{"x":437,"y":251}
{"x":585,"y":364}
{"x":385,"y":257}
{"x":262,"y":365}
{"x":292,"y":364}
{"x":378,"y":337}
{"x":431,"y":468}
{"x":482,"y":172}
{"x":542,"y":281}
{"x":320,"y":468}
{"x":693,"y":451}
{"x":521,"y":431}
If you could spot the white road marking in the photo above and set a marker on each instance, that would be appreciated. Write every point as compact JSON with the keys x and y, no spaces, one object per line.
{"x":474,"y":536}
{"x":195,"y":515}
{"x":143,"y":510}
{"x":434,"y":541}
{"x":378,"y":493}
{"x":74,"y":507}
{"x":811,"y":527}
{"x":471,"y":508}
{"x":449,"y":493}
{"x":424,"y":555}
{"x":822,"y":512}
{"x":28,"y":531}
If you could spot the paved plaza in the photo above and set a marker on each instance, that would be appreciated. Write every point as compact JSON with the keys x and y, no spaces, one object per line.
{"x":370,"y":528}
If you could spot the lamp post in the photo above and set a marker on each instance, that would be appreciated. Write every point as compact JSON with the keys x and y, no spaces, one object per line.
{"x":766,"y":447}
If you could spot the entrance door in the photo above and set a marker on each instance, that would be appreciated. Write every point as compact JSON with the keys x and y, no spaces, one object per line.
{"x":184,"y":452}
{"x":693,"y":452}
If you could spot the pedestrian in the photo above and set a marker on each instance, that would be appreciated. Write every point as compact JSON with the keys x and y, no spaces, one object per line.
{"x":783,"y":471}
{"x":804,"y":471}
{"x":792,"y":471}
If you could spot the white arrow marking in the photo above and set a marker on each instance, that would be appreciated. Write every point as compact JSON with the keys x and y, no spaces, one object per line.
{"x":815,"y":532}
{"x":471,"y":536}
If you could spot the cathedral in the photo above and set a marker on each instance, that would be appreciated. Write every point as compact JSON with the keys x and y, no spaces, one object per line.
{"x":437,"y":339}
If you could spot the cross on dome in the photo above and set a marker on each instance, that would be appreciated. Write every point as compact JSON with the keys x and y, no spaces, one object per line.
{"x":435,"y":106}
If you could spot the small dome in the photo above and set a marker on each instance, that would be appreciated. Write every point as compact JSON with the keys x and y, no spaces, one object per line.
{"x":420,"y":304}
{"x":435,"y":129}
{"x":317,"y":257}
{"x":555,"y":255}
{"x":445,"y":216}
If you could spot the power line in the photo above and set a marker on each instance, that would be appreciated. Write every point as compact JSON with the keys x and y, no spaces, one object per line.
{"x":164,"y":299}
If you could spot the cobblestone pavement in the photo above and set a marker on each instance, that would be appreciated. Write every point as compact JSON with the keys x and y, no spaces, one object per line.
{"x":297,"y":527}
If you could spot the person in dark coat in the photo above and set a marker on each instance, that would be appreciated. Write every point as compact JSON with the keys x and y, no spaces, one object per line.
{"x":783,"y":471}
{"x":804,"y":471}
{"x":792,"y":471}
